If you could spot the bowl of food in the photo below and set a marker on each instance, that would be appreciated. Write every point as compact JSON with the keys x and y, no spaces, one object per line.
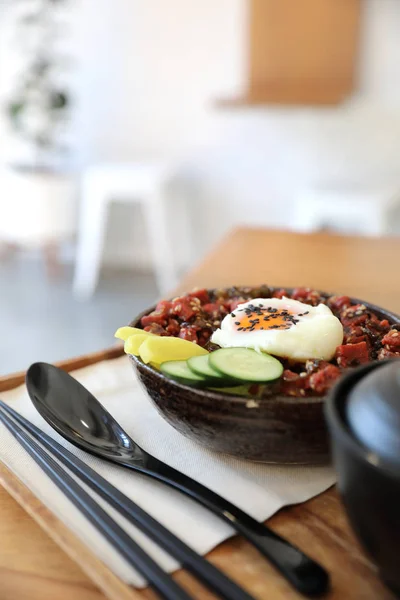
{"x":245,"y":371}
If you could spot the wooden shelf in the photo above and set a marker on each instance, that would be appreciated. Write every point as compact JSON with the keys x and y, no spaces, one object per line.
{"x":301,"y":52}
{"x":291,"y":94}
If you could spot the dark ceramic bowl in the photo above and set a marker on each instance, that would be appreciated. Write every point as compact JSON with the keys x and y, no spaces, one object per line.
{"x":277,"y":429}
{"x":370,"y":489}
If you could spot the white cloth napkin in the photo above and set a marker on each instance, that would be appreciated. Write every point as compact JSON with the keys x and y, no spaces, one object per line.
{"x":258,"y":489}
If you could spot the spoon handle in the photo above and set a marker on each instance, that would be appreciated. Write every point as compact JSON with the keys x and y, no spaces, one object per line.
{"x":307,"y":576}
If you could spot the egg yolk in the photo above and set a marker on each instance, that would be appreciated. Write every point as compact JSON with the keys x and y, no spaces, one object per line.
{"x":256,"y":318}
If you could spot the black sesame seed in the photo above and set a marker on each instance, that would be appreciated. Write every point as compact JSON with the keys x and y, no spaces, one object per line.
{"x":233,"y":315}
{"x":237,"y":322}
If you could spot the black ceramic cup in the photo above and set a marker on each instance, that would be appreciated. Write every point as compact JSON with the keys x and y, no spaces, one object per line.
{"x":369,"y":486}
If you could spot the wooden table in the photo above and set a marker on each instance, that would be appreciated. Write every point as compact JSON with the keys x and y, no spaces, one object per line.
{"x":33,"y":567}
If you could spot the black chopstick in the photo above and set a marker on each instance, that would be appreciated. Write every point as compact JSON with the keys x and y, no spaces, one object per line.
{"x":214,"y":579}
{"x":159,"y":580}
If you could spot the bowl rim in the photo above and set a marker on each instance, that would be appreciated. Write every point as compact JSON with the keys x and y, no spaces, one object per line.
{"x":338,"y":426}
{"x":221,"y":396}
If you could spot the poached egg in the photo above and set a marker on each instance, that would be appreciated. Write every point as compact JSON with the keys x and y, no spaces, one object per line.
{"x":282,"y":327}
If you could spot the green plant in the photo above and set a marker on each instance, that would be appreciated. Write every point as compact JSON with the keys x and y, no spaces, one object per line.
{"x":39,"y":104}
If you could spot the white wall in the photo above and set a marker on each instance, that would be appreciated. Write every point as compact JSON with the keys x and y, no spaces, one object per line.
{"x":147,"y":75}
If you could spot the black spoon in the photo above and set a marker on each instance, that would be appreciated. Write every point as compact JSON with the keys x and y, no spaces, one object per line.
{"x":80,"y":418}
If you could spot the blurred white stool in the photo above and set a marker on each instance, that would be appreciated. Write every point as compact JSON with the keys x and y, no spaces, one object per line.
{"x":142,"y":183}
{"x":347,"y":208}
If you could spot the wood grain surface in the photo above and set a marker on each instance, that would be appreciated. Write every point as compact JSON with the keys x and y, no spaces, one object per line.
{"x":295,"y":54}
{"x":301,"y":53}
{"x":34,"y":563}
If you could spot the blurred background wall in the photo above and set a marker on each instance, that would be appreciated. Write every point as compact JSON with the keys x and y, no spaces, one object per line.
{"x":146,"y":77}
{"x":146,"y":80}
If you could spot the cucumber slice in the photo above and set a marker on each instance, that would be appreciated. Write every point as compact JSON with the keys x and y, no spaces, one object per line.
{"x":201,"y":366}
{"x":180,"y":372}
{"x":237,"y":390}
{"x":243,"y":364}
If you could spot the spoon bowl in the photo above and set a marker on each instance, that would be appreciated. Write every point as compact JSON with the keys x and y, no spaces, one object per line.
{"x":80,"y":418}
{"x":77,"y":415}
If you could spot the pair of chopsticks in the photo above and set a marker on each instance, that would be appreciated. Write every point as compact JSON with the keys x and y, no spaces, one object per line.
{"x":28,"y":435}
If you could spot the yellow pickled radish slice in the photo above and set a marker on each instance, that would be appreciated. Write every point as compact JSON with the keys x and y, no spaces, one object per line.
{"x":123,"y":333}
{"x":160,"y":349}
{"x":133,"y":343}
{"x":155,"y":365}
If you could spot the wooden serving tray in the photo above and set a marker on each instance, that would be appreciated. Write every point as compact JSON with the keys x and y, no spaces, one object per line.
{"x":317,"y":526}
{"x":32,"y":566}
